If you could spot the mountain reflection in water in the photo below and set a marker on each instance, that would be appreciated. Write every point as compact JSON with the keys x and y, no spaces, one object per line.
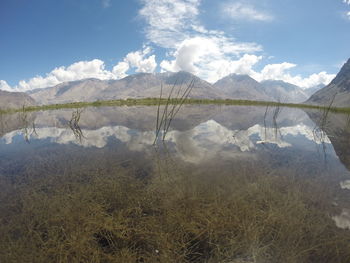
{"x":202,"y":140}
{"x":199,"y":134}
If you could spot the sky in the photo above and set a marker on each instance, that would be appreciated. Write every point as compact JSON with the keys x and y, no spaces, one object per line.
{"x":47,"y":42}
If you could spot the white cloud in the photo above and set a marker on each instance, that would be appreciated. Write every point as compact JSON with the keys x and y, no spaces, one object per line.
{"x":315,"y":80}
{"x":280,"y":72}
{"x":347,"y":14}
{"x":208,"y":140}
{"x":191,"y":54}
{"x":139,"y":60}
{"x":206,"y":58}
{"x":211,"y":54}
{"x":120,"y":69}
{"x":79,"y":70}
{"x":136,"y":60}
{"x":190,"y":46}
{"x":4,"y":85}
{"x":241,"y":11}
{"x":274,"y":71}
{"x":174,"y":24}
{"x":241,"y":66}
{"x":169,"y":20}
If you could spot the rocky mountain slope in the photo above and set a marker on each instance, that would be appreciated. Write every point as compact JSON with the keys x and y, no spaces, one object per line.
{"x":337,"y":92}
{"x":245,"y":87}
{"x":146,"y":85}
{"x":283,"y":91}
{"x":312,"y":90}
{"x":143,"y":85}
{"x":241,"y":87}
{"x":11,"y":100}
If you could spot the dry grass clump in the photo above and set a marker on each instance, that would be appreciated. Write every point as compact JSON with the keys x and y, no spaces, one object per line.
{"x":121,"y":217}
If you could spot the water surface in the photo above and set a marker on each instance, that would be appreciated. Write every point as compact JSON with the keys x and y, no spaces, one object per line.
{"x":210,"y":143}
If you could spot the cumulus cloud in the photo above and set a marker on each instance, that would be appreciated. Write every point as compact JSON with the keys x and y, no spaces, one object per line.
{"x":280,"y":72}
{"x":190,"y":46}
{"x":243,"y":11}
{"x":211,"y":54}
{"x":120,"y":69}
{"x":314,"y":80}
{"x":141,"y":61}
{"x":79,"y":70}
{"x":4,"y":85}
{"x":137,"y":60}
{"x":274,"y":71}
{"x":208,"y":58}
{"x":205,"y":58}
{"x":347,"y":14}
{"x":174,"y":24}
{"x":171,"y":22}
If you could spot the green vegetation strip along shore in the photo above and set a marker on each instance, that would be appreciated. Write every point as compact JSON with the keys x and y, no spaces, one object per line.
{"x":155,"y":102}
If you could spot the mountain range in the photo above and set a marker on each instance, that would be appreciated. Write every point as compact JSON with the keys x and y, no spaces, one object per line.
{"x":10,"y":100}
{"x":147,"y":85}
{"x":142,"y":85}
{"x":337,"y":93}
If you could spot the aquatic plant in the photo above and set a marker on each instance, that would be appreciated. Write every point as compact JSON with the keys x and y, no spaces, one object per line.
{"x":325,"y":112}
{"x":28,"y":129}
{"x":319,"y":131}
{"x":73,"y":124}
{"x":171,"y":108}
{"x":276,"y":113}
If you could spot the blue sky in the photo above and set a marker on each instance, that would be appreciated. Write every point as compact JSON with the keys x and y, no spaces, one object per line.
{"x":46,"y":42}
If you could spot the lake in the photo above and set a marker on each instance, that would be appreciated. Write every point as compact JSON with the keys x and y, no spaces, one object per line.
{"x":227,"y":184}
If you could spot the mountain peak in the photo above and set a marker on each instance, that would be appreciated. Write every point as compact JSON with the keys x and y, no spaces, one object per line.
{"x":180,"y":77}
{"x":343,"y":75}
{"x":337,"y":92}
{"x":240,"y":77}
{"x":241,"y":87}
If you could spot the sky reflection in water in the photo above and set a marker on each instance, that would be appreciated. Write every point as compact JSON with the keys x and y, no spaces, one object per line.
{"x":200,"y":136}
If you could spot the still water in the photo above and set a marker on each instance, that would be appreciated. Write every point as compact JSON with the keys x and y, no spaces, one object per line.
{"x":208,"y":142}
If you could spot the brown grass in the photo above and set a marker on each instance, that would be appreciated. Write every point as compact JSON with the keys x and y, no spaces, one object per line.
{"x":168,"y":217}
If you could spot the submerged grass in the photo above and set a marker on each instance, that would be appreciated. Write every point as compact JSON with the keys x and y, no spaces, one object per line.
{"x":177,"y":217}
